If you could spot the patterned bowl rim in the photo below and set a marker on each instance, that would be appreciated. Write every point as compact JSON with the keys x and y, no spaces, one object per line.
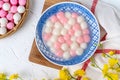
{"x":96,"y":23}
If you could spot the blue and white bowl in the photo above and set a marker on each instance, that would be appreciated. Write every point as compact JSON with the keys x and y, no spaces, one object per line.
{"x":93,"y":27}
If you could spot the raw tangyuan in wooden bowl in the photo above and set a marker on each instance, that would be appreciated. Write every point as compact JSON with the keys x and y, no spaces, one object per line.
{"x":12,"y":15}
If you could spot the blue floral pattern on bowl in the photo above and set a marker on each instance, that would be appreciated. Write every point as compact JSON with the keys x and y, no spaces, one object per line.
{"x":93,"y":27}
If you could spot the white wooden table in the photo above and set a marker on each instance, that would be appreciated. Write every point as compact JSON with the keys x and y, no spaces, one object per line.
{"x":15,"y":49}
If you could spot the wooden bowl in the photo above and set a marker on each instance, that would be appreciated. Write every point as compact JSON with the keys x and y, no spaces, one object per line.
{"x":19,"y":25}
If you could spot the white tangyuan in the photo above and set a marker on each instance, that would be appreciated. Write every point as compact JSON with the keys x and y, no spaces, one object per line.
{"x":80,"y":19}
{"x":64,"y":47}
{"x":73,"y":38}
{"x":16,"y":16}
{"x":74,"y":46}
{"x":21,"y":9}
{"x":84,"y":25}
{"x":66,"y":55}
{"x":3,"y":30}
{"x":3,"y":22}
{"x":58,"y":25}
{"x":50,"y":44}
{"x":83,"y":45}
{"x":53,"y":38}
{"x":79,"y":51}
{"x":49,"y":23}
{"x":63,"y":31}
{"x":78,"y":33}
{"x":6,"y":6}
{"x":68,"y":15}
{"x":56,"y":32}
{"x":67,"y":26}
{"x":71,"y":21}
{"x":48,"y":29}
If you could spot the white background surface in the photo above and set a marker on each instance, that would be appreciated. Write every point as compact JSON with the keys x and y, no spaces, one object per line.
{"x":15,"y":49}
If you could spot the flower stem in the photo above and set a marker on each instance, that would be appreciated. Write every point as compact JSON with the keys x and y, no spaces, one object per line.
{"x":98,"y":66}
{"x":109,"y":77}
{"x":93,"y":62}
{"x":71,"y":75}
{"x":118,"y":64}
{"x":108,"y":56}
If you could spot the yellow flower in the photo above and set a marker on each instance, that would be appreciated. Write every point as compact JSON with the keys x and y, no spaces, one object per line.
{"x":111,"y":53}
{"x":85,"y":78}
{"x":14,"y":76}
{"x":112,"y":76}
{"x":79,"y":72}
{"x":63,"y":74}
{"x":112,"y":62}
{"x":105,"y":69}
{"x":2,"y":76}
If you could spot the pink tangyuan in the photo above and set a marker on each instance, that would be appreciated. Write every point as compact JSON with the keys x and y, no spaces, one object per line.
{"x":61,"y":39}
{"x":22,"y":2}
{"x":1,"y":4}
{"x":76,"y":27}
{"x":60,"y":15}
{"x":10,"y":25}
{"x":69,"y":42}
{"x":67,"y":37}
{"x":3,"y":13}
{"x":80,"y":40}
{"x":86,"y":31}
{"x":57,"y":45}
{"x":63,"y":20}
{"x":73,"y":53}
{"x":86,"y":38}
{"x":47,"y":36}
{"x":6,"y":0}
{"x":54,"y":18}
{"x":14,"y":2}
{"x":13,"y":9}
{"x":74,"y":15}
{"x":59,"y":53}
{"x":71,"y":32}
{"x":9,"y":16}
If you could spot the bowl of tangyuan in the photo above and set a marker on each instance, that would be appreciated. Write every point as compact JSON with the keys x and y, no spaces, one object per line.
{"x":67,"y":34}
